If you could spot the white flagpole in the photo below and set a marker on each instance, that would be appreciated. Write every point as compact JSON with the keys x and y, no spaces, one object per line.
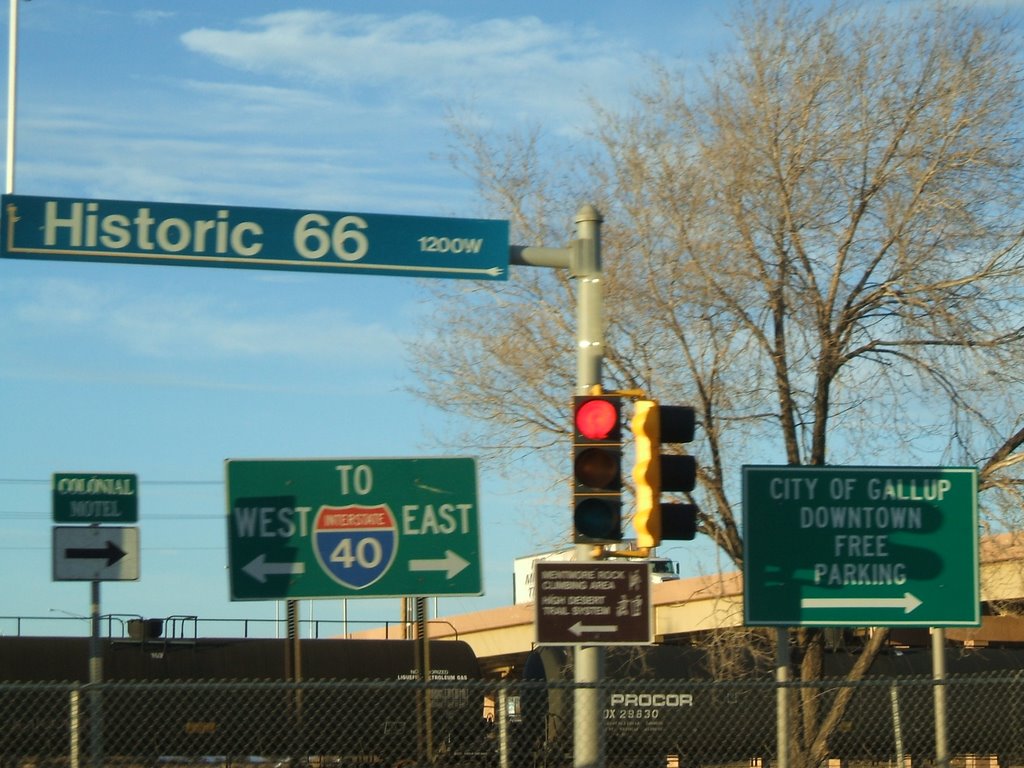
{"x":12,"y":92}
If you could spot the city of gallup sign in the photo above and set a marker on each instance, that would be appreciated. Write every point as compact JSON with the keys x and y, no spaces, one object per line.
{"x":309,"y":528}
{"x":861,"y":546}
{"x":71,"y":229}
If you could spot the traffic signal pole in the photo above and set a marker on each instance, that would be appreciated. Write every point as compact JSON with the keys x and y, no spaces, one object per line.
{"x":583,"y":260}
{"x":588,"y":738}
{"x":585,"y":266}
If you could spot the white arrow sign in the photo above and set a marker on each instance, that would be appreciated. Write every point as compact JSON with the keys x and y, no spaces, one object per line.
{"x":908,"y":602}
{"x":95,"y":553}
{"x":579,"y":628}
{"x":259,"y":569}
{"x":451,"y":563}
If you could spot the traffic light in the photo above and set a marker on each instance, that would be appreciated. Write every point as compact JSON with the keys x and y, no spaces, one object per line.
{"x":597,"y":469}
{"x":654,"y":473}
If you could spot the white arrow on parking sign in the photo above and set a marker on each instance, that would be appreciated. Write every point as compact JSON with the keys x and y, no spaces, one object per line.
{"x":908,"y":602}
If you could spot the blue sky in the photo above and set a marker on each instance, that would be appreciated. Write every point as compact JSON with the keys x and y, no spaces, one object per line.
{"x":166,"y":371}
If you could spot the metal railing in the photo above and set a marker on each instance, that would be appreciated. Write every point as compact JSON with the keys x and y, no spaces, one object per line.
{"x":182,"y":627}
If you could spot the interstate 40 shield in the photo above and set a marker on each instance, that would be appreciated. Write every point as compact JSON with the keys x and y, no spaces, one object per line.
{"x":355,"y":545}
{"x":308,"y":528}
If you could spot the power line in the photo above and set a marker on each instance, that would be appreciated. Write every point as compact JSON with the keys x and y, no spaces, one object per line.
{"x":47,"y":481}
{"x":7,"y":514}
{"x":144,"y":548}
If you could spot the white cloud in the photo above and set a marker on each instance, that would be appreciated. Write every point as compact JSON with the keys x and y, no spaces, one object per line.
{"x":510,"y":65}
{"x":197,"y":327}
{"x":153,"y":16}
{"x":261,"y":98}
{"x":315,"y":109}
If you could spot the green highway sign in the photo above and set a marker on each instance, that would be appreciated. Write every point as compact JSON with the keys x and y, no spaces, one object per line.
{"x":861,"y":546}
{"x":309,"y":528}
{"x":89,"y":497}
{"x":71,"y":229}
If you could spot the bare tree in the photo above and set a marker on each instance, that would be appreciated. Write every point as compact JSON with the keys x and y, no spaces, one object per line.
{"x":819,"y":246}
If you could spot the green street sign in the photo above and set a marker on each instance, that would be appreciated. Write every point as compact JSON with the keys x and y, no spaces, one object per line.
{"x":179,"y":234}
{"x":861,"y":546}
{"x":89,"y":497}
{"x":352,"y":528}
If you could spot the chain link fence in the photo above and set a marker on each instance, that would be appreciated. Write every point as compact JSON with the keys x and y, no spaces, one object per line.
{"x":677,"y":724}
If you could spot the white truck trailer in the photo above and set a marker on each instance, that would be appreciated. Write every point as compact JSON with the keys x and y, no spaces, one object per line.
{"x":662,"y":568}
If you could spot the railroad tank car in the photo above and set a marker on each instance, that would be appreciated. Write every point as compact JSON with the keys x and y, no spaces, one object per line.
{"x":661,"y":701}
{"x":37,"y":659}
{"x":229,"y":697}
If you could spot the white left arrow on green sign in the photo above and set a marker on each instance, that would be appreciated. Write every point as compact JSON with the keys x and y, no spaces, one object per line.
{"x":259,"y":569}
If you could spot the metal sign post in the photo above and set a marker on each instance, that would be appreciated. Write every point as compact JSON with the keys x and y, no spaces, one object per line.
{"x":95,"y":678}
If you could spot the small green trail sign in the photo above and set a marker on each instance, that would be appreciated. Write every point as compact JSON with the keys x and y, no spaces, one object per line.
{"x":861,"y":546}
{"x":352,"y":528}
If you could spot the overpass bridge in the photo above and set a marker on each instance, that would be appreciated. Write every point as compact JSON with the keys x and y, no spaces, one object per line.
{"x":686,"y":609}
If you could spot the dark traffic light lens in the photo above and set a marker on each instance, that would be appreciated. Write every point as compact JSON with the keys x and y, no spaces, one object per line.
{"x":597,"y":468}
{"x":678,"y":473}
{"x":597,"y":519}
{"x":596,"y":419}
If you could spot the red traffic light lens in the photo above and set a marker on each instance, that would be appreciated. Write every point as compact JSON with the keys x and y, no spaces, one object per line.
{"x":596,"y":419}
